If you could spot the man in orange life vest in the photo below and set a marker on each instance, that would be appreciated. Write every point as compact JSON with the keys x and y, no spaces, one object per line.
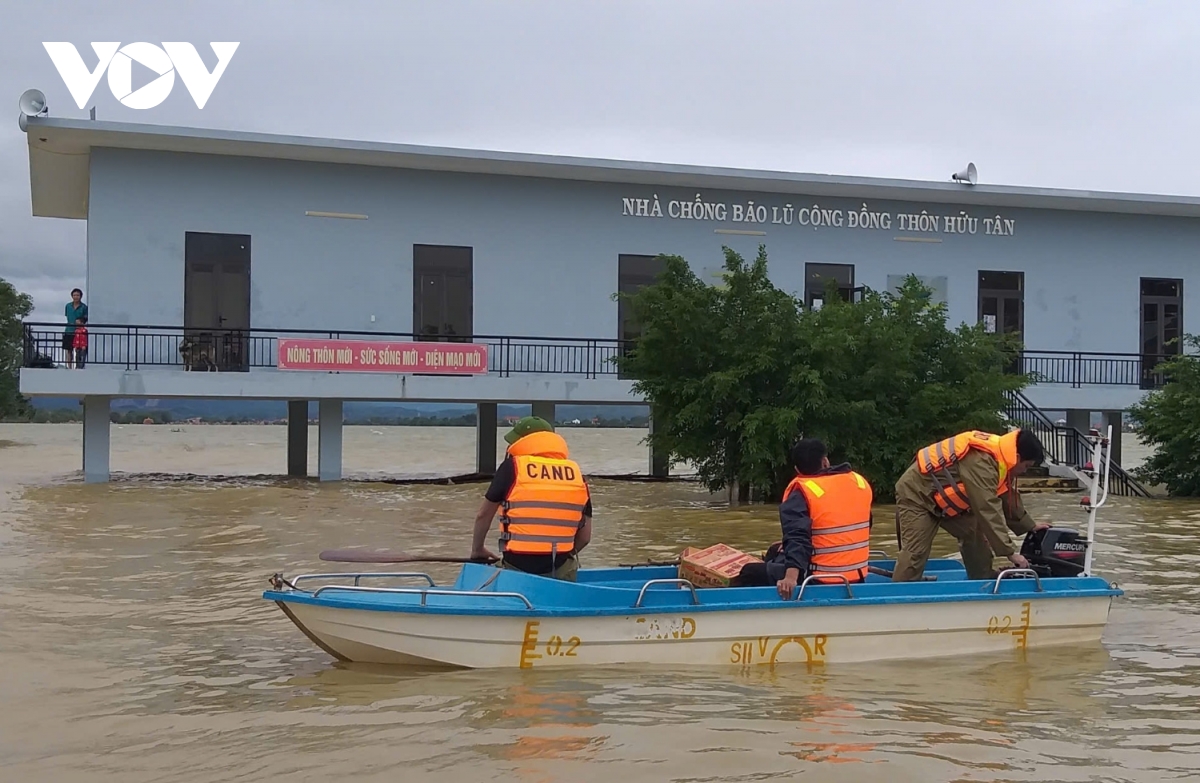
{"x":544,"y":503}
{"x":826,"y":521}
{"x":966,"y":485}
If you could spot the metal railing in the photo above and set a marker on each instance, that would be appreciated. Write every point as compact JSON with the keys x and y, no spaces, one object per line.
{"x":1089,"y":368}
{"x":1064,"y":444}
{"x":231,"y":350}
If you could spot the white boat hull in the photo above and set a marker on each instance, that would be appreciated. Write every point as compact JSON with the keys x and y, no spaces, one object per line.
{"x":813,"y":635}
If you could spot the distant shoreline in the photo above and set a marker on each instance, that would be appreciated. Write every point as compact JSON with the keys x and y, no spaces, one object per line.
{"x":314,"y":422}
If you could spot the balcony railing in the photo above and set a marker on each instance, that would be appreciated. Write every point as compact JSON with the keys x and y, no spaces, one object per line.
{"x":1066,"y":445}
{"x":1083,"y":368}
{"x":230,"y":350}
{"x":139,"y":347}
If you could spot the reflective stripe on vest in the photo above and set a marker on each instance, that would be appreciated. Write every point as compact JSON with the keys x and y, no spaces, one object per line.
{"x":544,"y":508}
{"x":936,"y":460}
{"x":840,"y":507}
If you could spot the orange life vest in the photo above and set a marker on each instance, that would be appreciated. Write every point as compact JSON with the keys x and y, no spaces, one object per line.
{"x":934,"y":461}
{"x":840,"y":507}
{"x":544,"y":508}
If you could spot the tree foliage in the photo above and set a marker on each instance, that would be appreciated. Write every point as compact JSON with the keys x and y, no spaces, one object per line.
{"x":14,"y":306}
{"x":1169,"y":419}
{"x":735,"y":373}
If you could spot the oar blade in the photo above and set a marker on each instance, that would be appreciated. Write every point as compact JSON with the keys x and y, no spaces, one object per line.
{"x":366,"y":556}
{"x":392,"y":556}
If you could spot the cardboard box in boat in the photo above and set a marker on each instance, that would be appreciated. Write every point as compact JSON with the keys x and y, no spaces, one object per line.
{"x":715,"y":566}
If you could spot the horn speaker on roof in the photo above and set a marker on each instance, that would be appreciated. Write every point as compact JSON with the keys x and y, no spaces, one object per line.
{"x":968,"y":175}
{"x":33,"y":104}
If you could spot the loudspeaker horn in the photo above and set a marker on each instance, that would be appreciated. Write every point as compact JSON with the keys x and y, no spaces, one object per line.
{"x":968,"y":175}
{"x":33,"y":104}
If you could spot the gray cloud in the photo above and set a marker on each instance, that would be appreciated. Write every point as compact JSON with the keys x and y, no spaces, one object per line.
{"x":1085,"y":94}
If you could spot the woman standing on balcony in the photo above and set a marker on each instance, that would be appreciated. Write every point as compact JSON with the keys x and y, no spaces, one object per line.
{"x":76,"y":309}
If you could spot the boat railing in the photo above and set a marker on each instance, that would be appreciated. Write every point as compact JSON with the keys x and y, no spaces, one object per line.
{"x":424,"y":592}
{"x":366,"y":575}
{"x":682,"y":583}
{"x":1013,"y":572}
{"x":1101,"y":464}
{"x":804,"y":584}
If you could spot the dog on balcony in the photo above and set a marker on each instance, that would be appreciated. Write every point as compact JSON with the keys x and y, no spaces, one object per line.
{"x":195,"y":357}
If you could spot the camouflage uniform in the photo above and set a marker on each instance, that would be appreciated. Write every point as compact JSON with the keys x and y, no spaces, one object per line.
{"x":982,"y":531}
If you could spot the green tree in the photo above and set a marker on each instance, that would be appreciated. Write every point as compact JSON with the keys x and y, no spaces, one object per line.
{"x":736,"y":372}
{"x":14,"y":306}
{"x":1169,"y":420}
{"x":895,"y":378}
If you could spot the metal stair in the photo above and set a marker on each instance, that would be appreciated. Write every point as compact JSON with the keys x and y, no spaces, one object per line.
{"x":1067,"y":446}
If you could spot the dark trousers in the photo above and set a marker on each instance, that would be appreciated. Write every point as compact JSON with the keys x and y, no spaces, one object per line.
{"x":764,"y":574}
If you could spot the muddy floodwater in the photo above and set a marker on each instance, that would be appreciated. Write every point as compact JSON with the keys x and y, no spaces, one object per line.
{"x":135,"y":646}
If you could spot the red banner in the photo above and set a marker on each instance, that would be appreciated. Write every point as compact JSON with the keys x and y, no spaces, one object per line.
{"x":373,"y":356}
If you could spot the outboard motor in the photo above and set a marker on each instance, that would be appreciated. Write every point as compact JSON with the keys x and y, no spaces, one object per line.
{"x":1055,"y":551}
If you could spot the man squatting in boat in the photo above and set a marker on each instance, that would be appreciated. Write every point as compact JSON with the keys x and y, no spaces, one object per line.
{"x":544,"y":503}
{"x":825,"y":514}
{"x":966,"y":485}
{"x":826,"y":520}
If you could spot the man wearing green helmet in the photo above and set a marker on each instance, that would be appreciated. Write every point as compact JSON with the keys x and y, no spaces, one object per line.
{"x":544,"y":503}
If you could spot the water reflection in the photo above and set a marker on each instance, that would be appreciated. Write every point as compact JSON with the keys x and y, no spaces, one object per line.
{"x":130,"y":616}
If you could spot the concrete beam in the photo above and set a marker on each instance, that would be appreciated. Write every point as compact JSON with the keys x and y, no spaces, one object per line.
{"x":485,"y":438}
{"x":543,"y":409}
{"x":329,"y":440}
{"x":297,"y":438}
{"x":1061,"y":397}
{"x":269,"y":384}
{"x":96,"y":448}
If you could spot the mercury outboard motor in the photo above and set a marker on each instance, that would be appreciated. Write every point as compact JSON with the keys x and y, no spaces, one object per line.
{"x":1055,"y":551}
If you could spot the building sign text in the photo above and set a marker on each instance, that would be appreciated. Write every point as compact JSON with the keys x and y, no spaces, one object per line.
{"x":815,"y":216}
{"x":372,"y":356}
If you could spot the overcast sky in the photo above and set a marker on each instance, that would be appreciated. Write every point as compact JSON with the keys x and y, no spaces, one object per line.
{"x":1092,"y":94}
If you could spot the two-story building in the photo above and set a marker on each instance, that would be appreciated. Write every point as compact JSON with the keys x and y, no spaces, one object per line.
{"x":205,"y":248}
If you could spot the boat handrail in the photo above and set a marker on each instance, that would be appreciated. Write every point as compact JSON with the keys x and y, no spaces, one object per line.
{"x":807,"y":579}
{"x":1015,"y":572}
{"x":423,"y":592}
{"x":871,"y":552}
{"x":366,"y":575}
{"x":681,"y":582}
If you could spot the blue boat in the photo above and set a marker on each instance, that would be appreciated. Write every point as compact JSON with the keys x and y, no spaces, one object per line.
{"x":645,"y":615}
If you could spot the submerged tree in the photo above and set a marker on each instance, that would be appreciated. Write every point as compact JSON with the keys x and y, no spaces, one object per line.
{"x":735,"y":373}
{"x":714,"y":363}
{"x":14,"y":306}
{"x":1169,"y":420}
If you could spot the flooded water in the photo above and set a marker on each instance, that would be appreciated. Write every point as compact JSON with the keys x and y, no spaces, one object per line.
{"x":135,"y":647}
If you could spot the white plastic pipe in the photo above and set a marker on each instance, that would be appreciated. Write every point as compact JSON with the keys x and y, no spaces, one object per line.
{"x":1097,"y":495}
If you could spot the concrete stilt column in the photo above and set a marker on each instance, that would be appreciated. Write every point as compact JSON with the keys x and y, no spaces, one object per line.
{"x":485,"y":438}
{"x":544,"y":409}
{"x":329,"y":440}
{"x":1077,"y":454}
{"x":96,"y":427}
{"x":660,"y":466}
{"x":1114,"y":419}
{"x":1079,"y":419}
{"x":297,"y":438}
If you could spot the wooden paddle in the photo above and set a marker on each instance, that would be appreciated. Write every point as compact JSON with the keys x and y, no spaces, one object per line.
{"x":649,"y":564}
{"x":393,"y":556}
{"x":890,"y":574}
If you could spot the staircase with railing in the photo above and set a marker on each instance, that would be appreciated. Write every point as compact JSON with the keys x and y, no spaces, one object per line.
{"x":1066,"y":445}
